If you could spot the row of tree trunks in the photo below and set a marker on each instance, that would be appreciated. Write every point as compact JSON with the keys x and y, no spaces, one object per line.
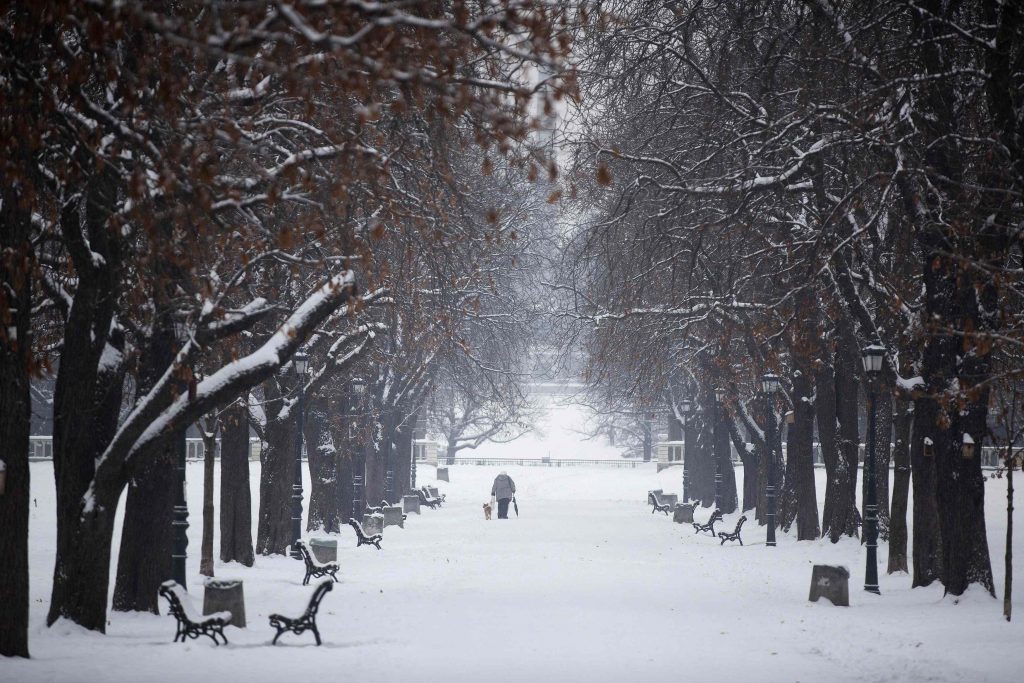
{"x":15,"y":417}
{"x":235,"y":493}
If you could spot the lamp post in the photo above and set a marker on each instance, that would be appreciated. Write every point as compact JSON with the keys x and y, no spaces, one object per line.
{"x":301,"y":363}
{"x":769,"y":385}
{"x":872,"y":358}
{"x":719,"y":397}
{"x":684,"y":407}
{"x":179,"y":524}
{"x":359,"y":465}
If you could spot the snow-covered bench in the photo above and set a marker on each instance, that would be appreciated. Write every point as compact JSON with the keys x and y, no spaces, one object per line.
{"x":314,"y":567}
{"x":191,"y":624}
{"x":656,"y":504}
{"x":362,"y":538}
{"x":307,"y":622}
{"x":716,"y":516}
{"x":733,"y":535}
{"x":430,"y":492}
{"x":432,"y":503}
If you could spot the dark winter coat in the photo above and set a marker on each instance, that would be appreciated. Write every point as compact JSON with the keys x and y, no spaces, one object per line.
{"x":503,"y":487}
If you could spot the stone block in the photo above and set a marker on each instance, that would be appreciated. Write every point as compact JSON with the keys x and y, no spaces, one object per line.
{"x":683,"y":513}
{"x":393,"y":516}
{"x":373,"y":524}
{"x":830,"y":582}
{"x":225,"y":595}
{"x":442,"y":474}
{"x":324,"y":549}
{"x":669,"y":499}
{"x":434,"y":493}
{"x":411,"y":503}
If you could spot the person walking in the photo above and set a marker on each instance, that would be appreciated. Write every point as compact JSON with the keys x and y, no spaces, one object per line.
{"x":504,"y":489}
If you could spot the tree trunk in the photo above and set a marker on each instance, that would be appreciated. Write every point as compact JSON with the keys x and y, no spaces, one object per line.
{"x":344,"y":492}
{"x":845,"y":512}
{"x":883,"y":456}
{"x":147,"y":537}
{"x":15,"y":420}
{"x":787,"y":497}
{"x":927,"y":540}
{"x":900,"y":488}
{"x":689,"y":454}
{"x":277,"y":470}
{"x":800,"y":458}
{"x":1008,"y":557}
{"x":235,"y":494}
{"x":723,"y":453}
{"x":703,"y":474}
{"x":403,"y":459}
{"x":376,"y":467}
{"x":825,"y":412}
{"x":81,"y":575}
{"x":323,"y":474}
{"x":209,"y":451}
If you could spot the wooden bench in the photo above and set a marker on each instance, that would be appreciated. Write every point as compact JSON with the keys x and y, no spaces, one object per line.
{"x":735,"y":534}
{"x":307,"y":622}
{"x":314,"y":567}
{"x":432,"y":503}
{"x":362,"y":538}
{"x":656,"y":504}
{"x":716,"y":516}
{"x":191,"y":625}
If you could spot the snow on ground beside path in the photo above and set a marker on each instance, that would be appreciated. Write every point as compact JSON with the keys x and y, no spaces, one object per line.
{"x":559,"y":432}
{"x":586,"y":585}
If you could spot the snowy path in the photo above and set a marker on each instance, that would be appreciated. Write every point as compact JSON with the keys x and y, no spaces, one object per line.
{"x":586,"y":585}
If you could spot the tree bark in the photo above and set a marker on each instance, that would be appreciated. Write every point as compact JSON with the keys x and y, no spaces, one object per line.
{"x":235,"y":494}
{"x":800,"y":458}
{"x":900,"y":487}
{"x":723,"y":453}
{"x":883,"y":456}
{"x":847,"y":362}
{"x":403,"y":459}
{"x":702,"y":479}
{"x":147,"y":537}
{"x":15,"y":418}
{"x":209,"y":451}
{"x":323,"y":473}
{"x":277,"y":467}
{"x":86,"y":403}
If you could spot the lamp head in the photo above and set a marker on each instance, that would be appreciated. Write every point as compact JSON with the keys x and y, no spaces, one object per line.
{"x":873,"y":357}
{"x":301,"y":361}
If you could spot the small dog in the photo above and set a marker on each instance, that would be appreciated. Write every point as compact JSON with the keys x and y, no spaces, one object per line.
{"x":487,"y":510}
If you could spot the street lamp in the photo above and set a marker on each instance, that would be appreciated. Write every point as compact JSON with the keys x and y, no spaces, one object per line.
{"x":719,"y":397}
{"x":301,"y":363}
{"x":684,"y":407}
{"x":179,"y":523}
{"x":872,"y":357}
{"x":358,"y":464}
{"x":769,"y":385}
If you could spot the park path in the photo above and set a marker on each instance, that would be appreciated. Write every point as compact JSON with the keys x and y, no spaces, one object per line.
{"x":586,"y":585}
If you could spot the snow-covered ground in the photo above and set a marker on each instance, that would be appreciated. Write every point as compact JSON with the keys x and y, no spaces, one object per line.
{"x":586,"y":585}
